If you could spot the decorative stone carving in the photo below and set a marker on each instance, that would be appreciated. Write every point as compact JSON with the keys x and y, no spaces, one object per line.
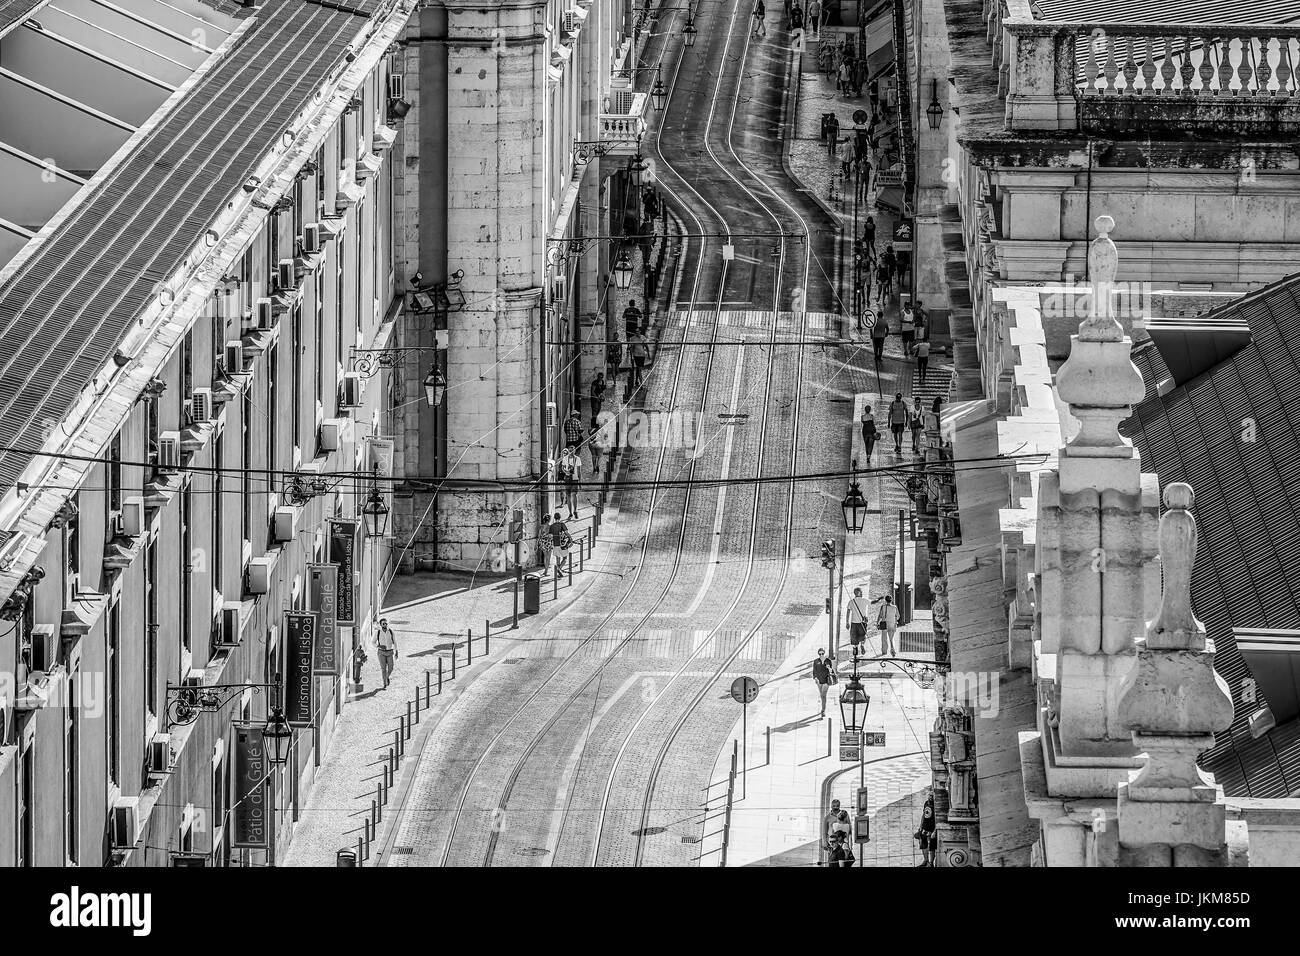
{"x":16,"y":603}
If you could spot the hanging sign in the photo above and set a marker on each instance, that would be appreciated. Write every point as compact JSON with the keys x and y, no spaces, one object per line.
{"x":322,"y":597}
{"x":300,"y":636}
{"x":251,"y":811}
{"x":343,"y":552}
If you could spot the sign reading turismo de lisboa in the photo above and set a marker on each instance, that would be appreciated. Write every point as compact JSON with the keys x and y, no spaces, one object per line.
{"x":300,"y":684}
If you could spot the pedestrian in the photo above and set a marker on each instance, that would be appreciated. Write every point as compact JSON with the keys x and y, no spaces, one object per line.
{"x":856,"y":616}
{"x":823,"y":677}
{"x":907,"y":328}
{"x":841,"y":855}
{"x":639,"y":356}
{"x":824,"y":57}
{"x":890,"y":260}
{"x":815,"y":17}
{"x":916,"y":421}
{"x":869,"y":235}
{"x":869,"y":431}
{"x":614,"y":356}
{"x":864,"y":181}
{"x":597,"y":394}
{"x":922,"y":361}
{"x":879,"y":332}
{"x":557,"y":534}
{"x":828,"y":823}
{"x":760,"y":15}
{"x":887,"y":622}
{"x":386,"y":642}
{"x":833,"y":135}
{"x":573,"y":428}
{"x":898,"y":421}
{"x":570,"y":467}
{"x":632,"y":318}
{"x":796,"y":19}
{"x":597,"y":449}
{"x":927,"y":834}
{"x":882,"y":283}
{"x":845,"y":81}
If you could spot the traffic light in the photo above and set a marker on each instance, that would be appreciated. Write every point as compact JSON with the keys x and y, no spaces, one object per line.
{"x":828,"y":554}
{"x":517,"y":525}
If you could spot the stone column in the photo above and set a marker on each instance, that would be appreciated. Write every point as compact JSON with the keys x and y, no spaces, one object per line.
{"x":1095,"y":529}
{"x":1173,"y":701}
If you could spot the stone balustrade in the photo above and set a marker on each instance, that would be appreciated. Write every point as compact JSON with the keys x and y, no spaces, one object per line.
{"x":625,"y":127}
{"x":1101,"y":76}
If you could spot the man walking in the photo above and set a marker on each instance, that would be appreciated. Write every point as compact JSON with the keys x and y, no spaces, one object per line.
{"x":632,"y":318}
{"x":760,"y":16}
{"x":597,"y":394}
{"x":570,"y":468}
{"x":869,"y":236}
{"x":814,"y":21}
{"x":821,"y":673}
{"x":879,"y":332}
{"x":639,"y":356}
{"x":573,"y":428}
{"x":386,"y":642}
{"x":922,"y":360}
{"x":558,"y":535}
{"x":829,"y":821}
{"x":916,"y":422}
{"x":898,"y":421}
{"x":887,"y":621}
{"x":857,"y":616}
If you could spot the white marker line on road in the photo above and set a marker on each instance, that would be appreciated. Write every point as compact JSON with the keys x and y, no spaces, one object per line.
{"x":722,"y":499}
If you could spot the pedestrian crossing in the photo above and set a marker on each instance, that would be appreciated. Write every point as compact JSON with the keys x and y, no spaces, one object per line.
{"x":791,"y":323}
{"x":675,"y":644}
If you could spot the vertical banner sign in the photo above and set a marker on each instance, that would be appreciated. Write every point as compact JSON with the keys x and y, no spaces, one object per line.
{"x":300,"y":636}
{"x":252,"y":815}
{"x":343,"y":552}
{"x":322,"y":597}
{"x":381,"y":457}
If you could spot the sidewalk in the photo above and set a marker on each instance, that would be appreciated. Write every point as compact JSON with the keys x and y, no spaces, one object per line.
{"x":430,"y":614}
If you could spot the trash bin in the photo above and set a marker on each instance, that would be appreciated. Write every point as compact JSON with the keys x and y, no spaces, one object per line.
{"x":532,"y":594}
{"x":345,"y":858}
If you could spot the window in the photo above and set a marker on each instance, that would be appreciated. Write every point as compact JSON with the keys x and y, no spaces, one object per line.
{"x":151,"y":628}
{"x":71,"y":778}
{"x":72,"y":551}
{"x":114,"y":477}
{"x":218,"y":512}
{"x":320,"y":180}
{"x":113,"y":694}
{"x":272,"y":404}
{"x":187,"y":554}
{"x":26,"y":808}
{"x":361,"y":220}
{"x":318,"y":358}
{"x":246,"y":503}
{"x":296,"y":360}
{"x":151,"y":417}
{"x":187,"y":366}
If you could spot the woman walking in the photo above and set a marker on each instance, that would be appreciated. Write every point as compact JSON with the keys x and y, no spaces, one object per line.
{"x":887,"y":621}
{"x":926,"y":835}
{"x":869,"y":431}
{"x":916,"y":422}
{"x":898,"y":421}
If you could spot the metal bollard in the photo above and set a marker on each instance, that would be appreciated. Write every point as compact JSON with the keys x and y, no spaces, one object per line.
{"x":440,"y":677}
{"x":769,"y":748}
{"x":828,"y":736}
{"x":379,"y":810}
{"x":590,"y":531}
{"x":393,"y":750}
{"x":360,"y":857}
{"x":582,"y":564}
{"x":555,"y":584}
{"x":570,"y":564}
{"x":408,"y":720}
{"x":453,"y":663}
{"x":487,"y":637}
{"x":374,"y":813}
{"x":469,"y":646}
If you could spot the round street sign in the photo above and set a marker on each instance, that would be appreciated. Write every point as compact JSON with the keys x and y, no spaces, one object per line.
{"x":744,"y":690}
{"x":860,"y":117}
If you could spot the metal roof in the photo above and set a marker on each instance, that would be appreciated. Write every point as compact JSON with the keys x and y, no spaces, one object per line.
{"x":64,"y":312}
{"x":13,"y":12}
{"x":1170,"y":11}
{"x":1233,"y":433}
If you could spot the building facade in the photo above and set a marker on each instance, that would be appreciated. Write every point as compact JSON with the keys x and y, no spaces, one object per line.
{"x":184,"y":437}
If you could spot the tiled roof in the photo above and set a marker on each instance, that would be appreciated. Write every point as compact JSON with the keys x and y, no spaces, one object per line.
{"x":65,"y":311}
{"x":13,"y":12}
{"x":1233,"y":433}
{"x":1171,"y":11}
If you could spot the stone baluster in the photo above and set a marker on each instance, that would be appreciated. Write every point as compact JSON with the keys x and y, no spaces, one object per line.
{"x":1224,"y":50}
{"x":1149,"y":66}
{"x":1284,"y":70}
{"x":1167,"y":69}
{"x":1090,"y":66}
{"x":1206,"y":71}
{"x":1111,"y":70}
{"x":1187,"y":72}
{"x":1130,"y":69}
{"x":1263,"y":69}
{"x":1173,"y":702}
{"x":1246,"y":65}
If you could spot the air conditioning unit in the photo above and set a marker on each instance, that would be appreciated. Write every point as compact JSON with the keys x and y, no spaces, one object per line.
{"x":133,"y":517}
{"x":123,"y":822}
{"x":354,"y":390}
{"x":282,"y":525}
{"x":312,"y":240}
{"x":45,"y":648}
{"x":264,"y":314}
{"x":259,"y":574}
{"x":284,"y":277}
{"x":160,"y":753}
{"x":235,"y":357}
{"x":331,"y":434}
{"x":551,"y":415}
{"x":169,"y":450}
{"x":201,"y":405}
{"x":396,"y":86}
{"x":228,"y":630}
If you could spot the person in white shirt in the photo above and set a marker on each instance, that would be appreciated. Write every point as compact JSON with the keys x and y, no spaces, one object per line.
{"x":887,"y":621}
{"x":857,"y":615}
{"x":386,"y":642}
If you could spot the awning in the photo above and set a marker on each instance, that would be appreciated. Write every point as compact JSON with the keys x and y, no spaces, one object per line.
{"x":1273,"y":657}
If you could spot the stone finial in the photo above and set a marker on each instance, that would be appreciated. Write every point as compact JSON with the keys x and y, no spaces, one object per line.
{"x":1099,"y":380}
{"x":1175,"y":625}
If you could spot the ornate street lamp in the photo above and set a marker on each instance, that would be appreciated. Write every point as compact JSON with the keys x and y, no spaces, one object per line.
{"x":375,"y":512}
{"x":276,"y":732}
{"x":854,"y":702}
{"x":689,"y":32}
{"x":659,"y":92}
{"x":623,"y":271}
{"x":934,"y":112}
{"x":854,"y":505}
{"x":435,"y":386}
{"x":640,"y":171}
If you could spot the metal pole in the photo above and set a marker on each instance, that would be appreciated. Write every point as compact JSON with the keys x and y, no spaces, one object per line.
{"x":427,"y":676}
{"x":828,"y":735}
{"x":768,"y":762}
{"x":439,"y":676}
{"x":487,"y":637}
{"x":519,"y":576}
{"x":469,"y":646}
{"x":453,"y":662}
{"x":744,"y":765}
{"x":830,"y":609}
{"x":417,"y":703}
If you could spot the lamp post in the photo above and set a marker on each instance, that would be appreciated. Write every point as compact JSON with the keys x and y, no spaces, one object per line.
{"x":623,"y":271}
{"x":375,"y":513}
{"x":854,"y":505}
{"x":828,"y":562}
{"x":435,"y":386}
{"x":659,"y":92}
{"x":934,"y":112}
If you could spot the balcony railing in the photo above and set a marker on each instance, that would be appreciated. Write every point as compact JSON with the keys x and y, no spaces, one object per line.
{"x":627,"y":127}
{"x":1102,"y":76}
